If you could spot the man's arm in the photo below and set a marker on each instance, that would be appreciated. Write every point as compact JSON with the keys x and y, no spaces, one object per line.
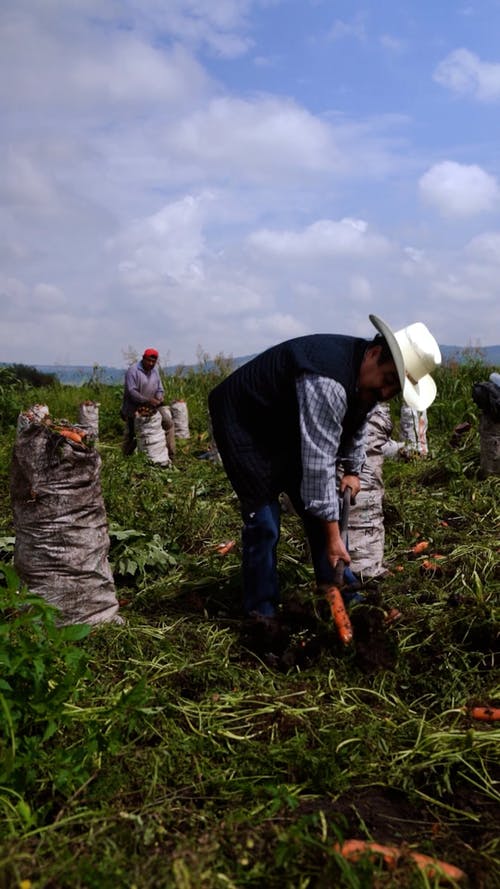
{"x":322,"y":407}
{"x":159,"y":393}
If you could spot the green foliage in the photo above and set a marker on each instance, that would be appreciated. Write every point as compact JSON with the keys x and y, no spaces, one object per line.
{"x":40,"y":666}
{"x":454,"y":402}
{"x":137,"y":554}
{"x":164,"y":753}
{"x":10,"y":397}
{"x":24,"y":373}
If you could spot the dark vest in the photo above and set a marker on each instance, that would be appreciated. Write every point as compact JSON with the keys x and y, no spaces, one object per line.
{"x":255,"y":413}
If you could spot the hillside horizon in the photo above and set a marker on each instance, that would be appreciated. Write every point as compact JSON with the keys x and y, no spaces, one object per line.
{"x":76,"y":374}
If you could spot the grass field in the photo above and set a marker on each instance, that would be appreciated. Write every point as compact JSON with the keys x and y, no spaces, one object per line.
{"x":173,"y":752}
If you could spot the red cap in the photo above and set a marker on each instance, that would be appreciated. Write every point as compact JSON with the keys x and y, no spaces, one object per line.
{"x":150,"y":353}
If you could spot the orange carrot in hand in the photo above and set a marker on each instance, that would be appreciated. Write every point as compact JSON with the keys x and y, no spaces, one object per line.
{"x":339,"y":614}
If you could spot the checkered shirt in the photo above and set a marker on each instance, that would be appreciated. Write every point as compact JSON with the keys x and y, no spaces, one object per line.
{"x":322,"y":407}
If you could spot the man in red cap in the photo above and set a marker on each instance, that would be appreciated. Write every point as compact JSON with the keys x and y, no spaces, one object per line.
{"x":143,"y":388}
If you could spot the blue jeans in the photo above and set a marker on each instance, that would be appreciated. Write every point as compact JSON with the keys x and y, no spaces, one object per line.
{"x":259,"y":541}
{"x":259,"y":538}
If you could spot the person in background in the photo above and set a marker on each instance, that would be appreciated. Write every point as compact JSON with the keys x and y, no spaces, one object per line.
{"x":413,"y":431}
{"x":143,"y":389}
{"x":284,"y":421}
{"x":366,"y":532}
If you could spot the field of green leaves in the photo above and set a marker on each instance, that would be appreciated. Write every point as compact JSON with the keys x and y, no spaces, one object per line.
{"x":167,"y":752}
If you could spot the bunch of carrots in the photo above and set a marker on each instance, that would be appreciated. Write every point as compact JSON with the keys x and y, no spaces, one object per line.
{"x":71,"y":433}
{"x":353,"y":850}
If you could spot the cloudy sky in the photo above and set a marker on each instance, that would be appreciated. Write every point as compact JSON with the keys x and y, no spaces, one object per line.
{"x":215,"y":176}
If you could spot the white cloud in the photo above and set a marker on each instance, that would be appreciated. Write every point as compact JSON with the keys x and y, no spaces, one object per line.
{"x":324,"y":238}
{"x":416,"y":264}
{"x":129,"y":70}
{"x":275,"y":327}
{"x":257,"y":138}
{"x":394,"y":44}
{"x":485,"y":247}
{"x":154,"y":188}
{"x":459,"y":190}
{"x":96,"y":70}
{"x":50,"y":298}
{"x":356,"y":29}
{"x":360,"y":289}
{"x":24,"y":183}
{"x":165,"y":247}
{"x":464,"y":73}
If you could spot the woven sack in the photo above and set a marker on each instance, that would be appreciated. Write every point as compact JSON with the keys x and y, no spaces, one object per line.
{"x":151,"y":439}
{"x":180,"y":416}
{"x":62,"y":542}
{"x":88,"y":417}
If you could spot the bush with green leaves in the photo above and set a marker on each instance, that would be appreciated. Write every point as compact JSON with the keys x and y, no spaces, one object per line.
{"x":41,"y":666}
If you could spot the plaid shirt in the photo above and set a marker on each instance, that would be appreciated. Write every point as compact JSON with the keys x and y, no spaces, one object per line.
{"x":322,"y":407}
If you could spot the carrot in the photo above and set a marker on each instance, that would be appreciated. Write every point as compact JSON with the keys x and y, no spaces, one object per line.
{"x":224,"y":548}
{"x":435,"y":868}
{"x":69,"y":433}
{"x":486,"y":714}
{"x":392,"y":616}
{"x":428,"y":566}
{"x":354,"y":849}
{"x":419,"y":547}
{"x":339,"y":614}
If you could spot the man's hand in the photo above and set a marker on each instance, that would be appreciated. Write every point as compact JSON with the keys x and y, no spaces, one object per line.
{"x":335,"y":548}
{"x":155,"y":402}
{"x":352,"y":482}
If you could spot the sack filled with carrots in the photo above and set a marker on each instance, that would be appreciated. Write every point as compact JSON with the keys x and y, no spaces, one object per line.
{"x":62,"y":541}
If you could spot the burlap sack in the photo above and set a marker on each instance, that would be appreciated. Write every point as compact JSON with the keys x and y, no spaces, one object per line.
{"x":88,"y":417}
{"x":62,"y":541}
{"x":180,"y":416}
{"x":366,"y":533}
{"x":489,"y":433}
{"x":150,"y":436}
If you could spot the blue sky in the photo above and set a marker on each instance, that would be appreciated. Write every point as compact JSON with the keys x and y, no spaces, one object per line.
{"x":215,"y":176}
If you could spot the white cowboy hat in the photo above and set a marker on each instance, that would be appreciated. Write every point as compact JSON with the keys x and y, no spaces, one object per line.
{"x":416,"y":354}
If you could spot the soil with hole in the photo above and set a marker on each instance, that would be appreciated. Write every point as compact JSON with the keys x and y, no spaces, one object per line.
{"x":298,"y":637}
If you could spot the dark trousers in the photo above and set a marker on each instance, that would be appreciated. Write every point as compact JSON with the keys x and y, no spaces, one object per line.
{"x":260,"y":536}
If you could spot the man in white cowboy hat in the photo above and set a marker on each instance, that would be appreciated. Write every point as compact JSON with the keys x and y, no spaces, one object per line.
{"x":284,"y":421}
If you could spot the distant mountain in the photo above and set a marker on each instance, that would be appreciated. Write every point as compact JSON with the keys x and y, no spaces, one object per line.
{"x":489,"y":354}
{"x":77,"y":375}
